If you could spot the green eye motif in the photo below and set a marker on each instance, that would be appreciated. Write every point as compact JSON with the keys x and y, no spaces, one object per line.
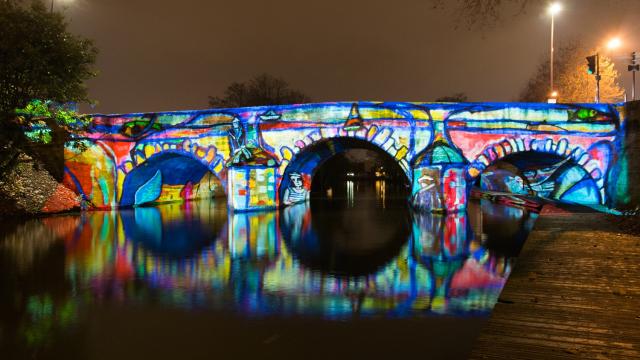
{"x":138,"y":127}
{"x":585,"y":114}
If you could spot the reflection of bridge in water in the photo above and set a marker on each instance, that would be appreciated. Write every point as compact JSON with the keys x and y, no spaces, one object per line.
{"x":243,"y":259}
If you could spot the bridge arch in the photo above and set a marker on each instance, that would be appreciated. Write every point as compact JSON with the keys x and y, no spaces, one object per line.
{"x":161,"y":174}
{"x":555,"y":158}
{"x":312,"y":153}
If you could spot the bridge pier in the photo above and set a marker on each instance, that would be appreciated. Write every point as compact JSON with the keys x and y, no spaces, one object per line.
{"x":251,"y":187}
{"x":251,"y":175}
{"x":439,"y":179}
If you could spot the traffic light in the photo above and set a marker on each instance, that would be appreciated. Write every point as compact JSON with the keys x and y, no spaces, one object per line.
{"x":592,"y":64}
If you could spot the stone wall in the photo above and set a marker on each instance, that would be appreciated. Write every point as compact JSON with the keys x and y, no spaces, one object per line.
{"x":625,"y":175}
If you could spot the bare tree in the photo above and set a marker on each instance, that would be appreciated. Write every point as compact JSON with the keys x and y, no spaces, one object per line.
{"x":457,"y":97}
{"x":263,"y":89}
{"x":484,"y":13}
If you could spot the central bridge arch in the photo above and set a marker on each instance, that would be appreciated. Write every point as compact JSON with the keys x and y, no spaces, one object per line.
{"x":297,"y":175}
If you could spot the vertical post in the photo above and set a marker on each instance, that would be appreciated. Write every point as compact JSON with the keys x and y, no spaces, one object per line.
{"x":633,"y":68}
{"x":598,"y":78}
{"x":551,"y":56}
{"x":51,"y":5}
{"x":633,"y":86}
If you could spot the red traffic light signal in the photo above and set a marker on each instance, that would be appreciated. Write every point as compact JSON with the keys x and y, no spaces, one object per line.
{"x":592,"y":64}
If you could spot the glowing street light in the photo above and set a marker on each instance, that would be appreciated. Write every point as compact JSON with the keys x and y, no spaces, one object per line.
{"x":554,"y":9}
{"x":614,"y":43}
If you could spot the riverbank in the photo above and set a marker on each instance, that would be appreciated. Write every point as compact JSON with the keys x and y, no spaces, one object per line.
{"x":29,"y":190}
{"x":574,"y":292}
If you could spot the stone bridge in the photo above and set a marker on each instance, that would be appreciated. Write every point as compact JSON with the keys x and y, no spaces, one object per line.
{"x":265,"y":157}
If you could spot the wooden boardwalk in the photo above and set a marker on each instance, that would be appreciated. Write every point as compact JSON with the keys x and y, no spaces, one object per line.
{"x":574,"y":293}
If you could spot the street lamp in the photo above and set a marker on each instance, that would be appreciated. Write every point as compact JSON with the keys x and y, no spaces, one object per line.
{"x":554,"y":9}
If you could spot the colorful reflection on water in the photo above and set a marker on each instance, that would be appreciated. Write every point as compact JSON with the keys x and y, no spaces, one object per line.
{"x":332,"y":258}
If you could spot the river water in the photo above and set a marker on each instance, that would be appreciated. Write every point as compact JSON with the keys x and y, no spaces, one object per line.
{"x":352,"y":274}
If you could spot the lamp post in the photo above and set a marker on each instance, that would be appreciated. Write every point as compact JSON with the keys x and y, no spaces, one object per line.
{"x":554,"y":9}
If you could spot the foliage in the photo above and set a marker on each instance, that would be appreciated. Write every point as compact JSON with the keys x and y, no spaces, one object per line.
{"x":38,"y":118}
{"x":263,"y":89}
{"x":40,"y":60}
{"x":571,"y":80}
{"x":457,"y":97}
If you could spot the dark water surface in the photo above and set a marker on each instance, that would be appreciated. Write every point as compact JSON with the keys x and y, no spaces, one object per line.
{"x":352,"y":275}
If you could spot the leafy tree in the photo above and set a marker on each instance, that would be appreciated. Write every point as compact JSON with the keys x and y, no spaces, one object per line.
{"x":39,"y":119}
{"x":457,"y":97}
{"x":263,"y":89}
{"x":571,"y":80}
{"x":40,"y":60}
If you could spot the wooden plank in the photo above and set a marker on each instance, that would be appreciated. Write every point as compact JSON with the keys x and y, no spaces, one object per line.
{"x":574,"y":293}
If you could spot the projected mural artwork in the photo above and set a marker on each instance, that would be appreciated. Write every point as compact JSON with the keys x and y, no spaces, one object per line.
{"x":256,"y":261}
{"x":265,"y":157}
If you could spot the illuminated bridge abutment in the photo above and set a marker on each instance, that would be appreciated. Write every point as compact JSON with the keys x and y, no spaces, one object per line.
{"x":265,"y":157}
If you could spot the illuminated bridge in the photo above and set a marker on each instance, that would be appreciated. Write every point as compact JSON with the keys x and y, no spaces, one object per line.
{"x":265,"y":157}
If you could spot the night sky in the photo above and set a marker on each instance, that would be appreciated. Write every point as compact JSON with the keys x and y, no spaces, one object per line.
{"x":171,"y":55}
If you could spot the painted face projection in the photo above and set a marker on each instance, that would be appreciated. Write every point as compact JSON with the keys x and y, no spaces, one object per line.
{"x":296,"y":192}
{"x":427,"y":192}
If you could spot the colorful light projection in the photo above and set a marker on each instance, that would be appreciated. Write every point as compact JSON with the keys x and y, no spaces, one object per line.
{"x":551,"y":176}
{"x":244,"y":263}
{"x":439,"y":183}
{"x":260,"y":154}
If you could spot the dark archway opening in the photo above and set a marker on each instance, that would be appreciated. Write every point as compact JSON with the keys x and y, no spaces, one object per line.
{"x":358,"y":213}
{"x":366,"y":169}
